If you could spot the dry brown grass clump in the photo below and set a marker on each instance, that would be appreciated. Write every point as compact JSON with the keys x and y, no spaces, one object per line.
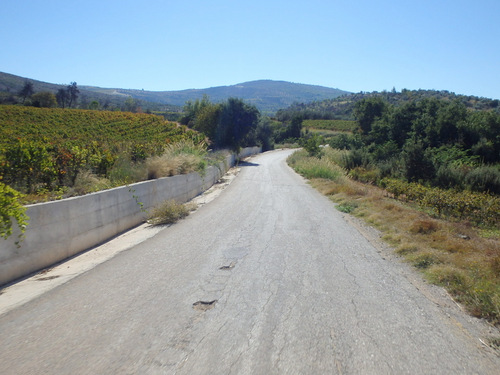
{"x":179,"y":158}
{"x":169,"y":212}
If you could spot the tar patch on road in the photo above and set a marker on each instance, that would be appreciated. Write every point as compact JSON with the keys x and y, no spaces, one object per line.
{"x":204,"y":305}
{"x":229,"y":267}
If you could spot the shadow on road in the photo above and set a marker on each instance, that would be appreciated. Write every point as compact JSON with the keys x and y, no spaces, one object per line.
{"x":247,"y":164}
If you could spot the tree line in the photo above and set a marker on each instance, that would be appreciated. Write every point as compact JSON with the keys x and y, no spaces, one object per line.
{"x":71,"y":97}
{"x":436,"y":142}
{"x":65,"y":97}
{"x":342,"y":107}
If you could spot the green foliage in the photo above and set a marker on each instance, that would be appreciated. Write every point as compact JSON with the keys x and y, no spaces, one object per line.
{"x":237,"y":120}
{"x":485,"y":178}
{"x":429,"y":141}
{"x":11,"y":208}
{"x":367,"y":111}
{"x":417,"y":165}
{"x":312,"y":146}
{"x":342,"y":107}
{"x":27,"y":90}
{"x":347,"y":207}
{"x":44,"y":148}
{"x":264,"y":133}
{"x":232,"y":124}
{"x":44,"y":100}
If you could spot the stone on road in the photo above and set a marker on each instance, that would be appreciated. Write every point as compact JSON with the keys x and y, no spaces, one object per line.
{"x":269,"y":278}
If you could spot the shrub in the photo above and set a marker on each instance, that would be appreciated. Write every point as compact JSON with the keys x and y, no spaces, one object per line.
{"x":424,"y":226}
{"x":355,"y":158}
{"x":485,"y":178}
{"x":87,"y":182}
{"x":312,"y":146}
{"x":11,"y":208}
{"x":347,"y":207}
{"x":364,"y":175}
{"x":169,"y":212}
{"x":449,"y":177}
{"x":424,"y":260}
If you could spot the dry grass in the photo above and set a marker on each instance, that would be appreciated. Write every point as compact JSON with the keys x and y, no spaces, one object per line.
{"x":169,"y":212}
{"x":87,"y":182}
{"x":179,"y":158}
{"x":452,"y":254}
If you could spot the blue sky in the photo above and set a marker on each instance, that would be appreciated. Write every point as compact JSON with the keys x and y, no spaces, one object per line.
{"x":173,"y":45}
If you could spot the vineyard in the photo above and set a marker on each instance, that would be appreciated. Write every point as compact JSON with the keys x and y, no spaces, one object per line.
{"x":44,"y":149}
{"x":332,"y":125}
{"x":479,"y":208}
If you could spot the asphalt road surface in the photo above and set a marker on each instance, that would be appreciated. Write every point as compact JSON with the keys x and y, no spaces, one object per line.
{"x":269,"y":278}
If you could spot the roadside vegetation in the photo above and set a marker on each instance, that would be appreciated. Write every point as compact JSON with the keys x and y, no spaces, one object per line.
{"x":168,"y":212}
{"x":460,"y":253}
{"x":424,"y":168}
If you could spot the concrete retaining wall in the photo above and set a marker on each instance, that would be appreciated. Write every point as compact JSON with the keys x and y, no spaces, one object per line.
{"x":58,"y":230}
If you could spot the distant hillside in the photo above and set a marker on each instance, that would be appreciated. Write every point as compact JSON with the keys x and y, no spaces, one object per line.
{"x":267,"y":95}
{"x":341,"y":107}
{"x":11,"y":84}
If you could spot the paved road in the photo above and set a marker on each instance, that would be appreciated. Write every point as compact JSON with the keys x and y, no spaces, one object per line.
{"x":285,"y":286}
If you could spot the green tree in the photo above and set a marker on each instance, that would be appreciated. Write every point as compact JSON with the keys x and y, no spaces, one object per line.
{"x":312,"y":146}
{"x":94,"y":105}
{"x":295,"y":128}
{"x":72,"y":94}
{"x":236,"y":121}
{"x":62,"y":97}
{"x":130,"y":105}
{"x":27,"y":90}
{"x":366,"y":111}
{"x":448,"y":119}
{"x":264,"y":133}
{"x":207,"y":119}
{"x":44,"y":99}
{"x":191,"y":110}
{"x":417,"y":164}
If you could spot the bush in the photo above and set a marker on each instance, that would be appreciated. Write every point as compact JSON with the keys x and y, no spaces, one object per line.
{"x":169,"y":212}
{"x":485,"y":178}
{"x":355,"y":158}
{"x":312,"y":146}
{"x":365,"y":175}
{"x":449,"y":177}
{"x":11,"y":208}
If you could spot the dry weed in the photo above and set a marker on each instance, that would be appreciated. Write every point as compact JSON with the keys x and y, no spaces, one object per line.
{"x":424,"y":226}
{"x":168,"y":212}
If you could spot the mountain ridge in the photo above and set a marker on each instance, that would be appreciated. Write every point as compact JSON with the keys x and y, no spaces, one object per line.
{"x":266,"y":94}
